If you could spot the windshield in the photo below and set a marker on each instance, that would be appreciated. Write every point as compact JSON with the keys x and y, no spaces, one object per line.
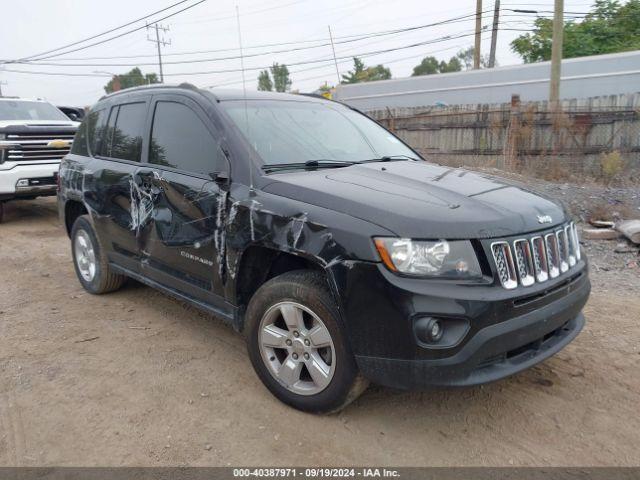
{"x":26,"y":110}
{"x":294,"y":132}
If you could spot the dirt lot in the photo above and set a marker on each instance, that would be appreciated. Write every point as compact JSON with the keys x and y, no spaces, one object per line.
{"x":136,"y":378}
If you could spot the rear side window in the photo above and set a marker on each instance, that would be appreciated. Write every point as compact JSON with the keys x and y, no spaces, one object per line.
{"x":180,"y":139}
{"x":124,"y":132}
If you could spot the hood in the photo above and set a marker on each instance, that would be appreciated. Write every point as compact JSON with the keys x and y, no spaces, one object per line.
{"x":38,"y":123}
{"x":422,"y":200}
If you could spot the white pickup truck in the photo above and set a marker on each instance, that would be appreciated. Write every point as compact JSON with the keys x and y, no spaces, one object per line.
{"x":34,"y":136}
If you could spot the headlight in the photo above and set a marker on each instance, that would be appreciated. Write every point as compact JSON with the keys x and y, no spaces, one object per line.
{"x":440,"y":258}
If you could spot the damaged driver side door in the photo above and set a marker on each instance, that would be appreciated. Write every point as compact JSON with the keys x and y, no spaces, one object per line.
{"x":186,"y":181}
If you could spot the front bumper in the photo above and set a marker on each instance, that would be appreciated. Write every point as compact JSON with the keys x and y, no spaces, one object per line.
{"x":44,"y":171}
{"x":509,"y":331}
{"x":475,"y":364}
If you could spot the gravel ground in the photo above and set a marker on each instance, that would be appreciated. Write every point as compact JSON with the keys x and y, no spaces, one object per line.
{"x":585,"y":200}
{"x":615,"y":264}
{"x":136,"y":378}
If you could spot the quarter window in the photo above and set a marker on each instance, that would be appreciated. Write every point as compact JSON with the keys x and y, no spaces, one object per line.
{"x":179,"y":139}
{"x":95,"y":129}
{"x":79,"y":146}
{"x":124,"y":131}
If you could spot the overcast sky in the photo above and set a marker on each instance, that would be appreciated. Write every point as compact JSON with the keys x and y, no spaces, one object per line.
{"x":34,"y":26}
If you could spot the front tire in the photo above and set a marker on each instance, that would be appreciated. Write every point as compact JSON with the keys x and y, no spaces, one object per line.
{"x":89,"y":260}
{"x":297,"y":346}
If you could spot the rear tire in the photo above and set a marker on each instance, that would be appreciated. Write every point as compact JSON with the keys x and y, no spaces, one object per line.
{"x":297,"y":345}
{"x":91,"y":265}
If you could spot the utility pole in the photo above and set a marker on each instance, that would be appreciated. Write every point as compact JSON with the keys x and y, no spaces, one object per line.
{"x":494,"y":35}
{"x":556,"y":52}
{"x":476,"y":50}
{"x":159,"y":42}
{"x":335,"y":61}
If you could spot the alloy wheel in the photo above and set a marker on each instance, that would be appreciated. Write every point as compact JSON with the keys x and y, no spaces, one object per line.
{"x":85,"y":255}
{"x":297,"y":348}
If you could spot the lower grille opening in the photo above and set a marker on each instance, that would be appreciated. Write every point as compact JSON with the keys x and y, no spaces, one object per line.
{"x":531,"y":298}
{"x":531,"y":346}
{"x":525,"y":348}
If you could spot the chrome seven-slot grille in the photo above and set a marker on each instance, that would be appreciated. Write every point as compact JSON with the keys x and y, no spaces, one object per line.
{"x":537,"y":258}
{"x":34,"y":146}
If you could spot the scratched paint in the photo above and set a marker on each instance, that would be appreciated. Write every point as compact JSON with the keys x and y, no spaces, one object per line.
{"x":142,"y":204}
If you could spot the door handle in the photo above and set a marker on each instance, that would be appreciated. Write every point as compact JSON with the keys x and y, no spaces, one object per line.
{"x":145,"y":179}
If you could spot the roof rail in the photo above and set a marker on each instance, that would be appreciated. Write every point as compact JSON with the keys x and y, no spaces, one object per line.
{"x":187,"y":86}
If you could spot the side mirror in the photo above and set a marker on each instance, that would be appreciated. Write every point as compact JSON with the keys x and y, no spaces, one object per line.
{"x":221,"y":178}
{"x":73,"y":117}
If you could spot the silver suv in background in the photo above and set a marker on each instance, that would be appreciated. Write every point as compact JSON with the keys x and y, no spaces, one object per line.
{"x":34,"y":136}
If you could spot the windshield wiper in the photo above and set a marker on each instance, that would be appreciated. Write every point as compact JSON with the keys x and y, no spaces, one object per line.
{"x":309,"y":164}
{"x":389,"y":158}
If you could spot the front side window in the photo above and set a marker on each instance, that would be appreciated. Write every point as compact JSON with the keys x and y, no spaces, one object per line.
{"x":180,"y":139}
{"x":28,"y":110}
{"x":124,"y":131}
{"x":293,"y":132}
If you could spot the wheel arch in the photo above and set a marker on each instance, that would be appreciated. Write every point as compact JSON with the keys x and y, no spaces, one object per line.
{"x":72,"y":210}
{"x":259,"y":264}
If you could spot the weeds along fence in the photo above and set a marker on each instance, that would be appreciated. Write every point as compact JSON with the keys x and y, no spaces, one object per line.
{"x":595,"y":137}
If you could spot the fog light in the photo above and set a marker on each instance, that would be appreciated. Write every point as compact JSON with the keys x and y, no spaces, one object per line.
{"x":434,"y":330}
{"x":23,"y":182}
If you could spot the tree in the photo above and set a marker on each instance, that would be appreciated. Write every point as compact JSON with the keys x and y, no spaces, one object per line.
{"x":362,"y":73}
{"x":453,"y":65}
{"x":609,"y":28}
{"x":130,"y":79}
{"x":430,"y":65}
{"x":278,"y":78}
{"x":264,"y":81}
{"x":466,"y":58}
{"x":281,"y":80}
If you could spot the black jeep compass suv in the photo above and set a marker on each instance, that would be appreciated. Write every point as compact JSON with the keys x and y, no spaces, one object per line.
{"x":342,"y":255}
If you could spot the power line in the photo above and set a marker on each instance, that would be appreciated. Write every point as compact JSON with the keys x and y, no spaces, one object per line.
{"x":354,"y":37}
{"x":206,"y":60}
{"x":107,"y":31}
{"x":251,"y":12}
{"x":115,"y":36}
{"x":308,"y":62}
{"x":342,"y":62}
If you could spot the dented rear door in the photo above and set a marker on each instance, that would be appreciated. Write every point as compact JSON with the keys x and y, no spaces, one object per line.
{"x":118,"y":146}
